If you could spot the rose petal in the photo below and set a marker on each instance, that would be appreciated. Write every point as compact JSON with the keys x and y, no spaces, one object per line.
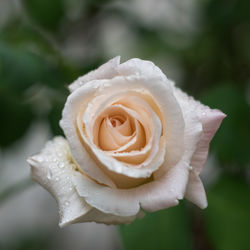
{"x":113,"y":68}
{"x":152,"y":196}
{"x":108,"y":200}
{"x":210,"y":119}
{"x":144,"y":68}
{"x":68,"y":123}
{"x":53,"y":168}
{"x":195,"y":191}
{"x":105,"y":71}
{"x":122,"y":168}
{"x":109,"y":219}
{"x":193,"y":129}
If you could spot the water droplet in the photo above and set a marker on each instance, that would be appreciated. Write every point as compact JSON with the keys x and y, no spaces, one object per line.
{"x":203,"y":113}
{"x":67,"y":203}
{"x":49,"y":174}
{"x":57,"y":178}
{"x":39,"y":158}
{"x":61,"y":165}
{"x":60,"y":154}
{"x":47,"y":159}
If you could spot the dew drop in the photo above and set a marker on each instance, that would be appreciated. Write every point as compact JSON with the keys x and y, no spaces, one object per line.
{"x":67,"y":203}
{"x":49,"y":175}
{"x":39,"y":158}
{"x":61,"y":165}
{"x":57,"y":178}
{"x":60,"y":154}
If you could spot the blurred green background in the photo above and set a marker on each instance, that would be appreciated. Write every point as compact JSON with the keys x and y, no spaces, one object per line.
{"x":203,"y":45}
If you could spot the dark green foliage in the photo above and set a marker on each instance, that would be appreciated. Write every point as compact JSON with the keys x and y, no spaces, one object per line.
{"x":228,"y":214}
{"x":166,"y":229}
{"x":46,"y":13}
{"x":54,"y":117}
{"x":16,"y":118}
{"x":231,"y":143}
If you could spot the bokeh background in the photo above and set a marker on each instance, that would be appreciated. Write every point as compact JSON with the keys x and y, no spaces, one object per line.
{"x":203,"y":45}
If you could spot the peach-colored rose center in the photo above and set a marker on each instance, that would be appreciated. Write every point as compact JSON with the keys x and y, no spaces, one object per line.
{"x":124,"y":127}
{"x":123,"y":132}
{"x":117,"y":130}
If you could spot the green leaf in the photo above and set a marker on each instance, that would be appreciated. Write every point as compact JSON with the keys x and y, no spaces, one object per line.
{"x":231,"y":142}
{"x":166,"y":229}
{"x":227,"y":217}
{"x":54,"y":117}
{"x":46,"y":13}
{"x":16,"y":117}
{"x":20,"y":68}
{"x":19,"y":33}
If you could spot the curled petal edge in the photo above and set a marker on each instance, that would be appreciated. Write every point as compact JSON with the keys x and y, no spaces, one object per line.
{"x":53,"y":169}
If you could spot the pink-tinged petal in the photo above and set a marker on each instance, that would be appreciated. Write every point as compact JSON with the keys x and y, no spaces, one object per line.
{"x":105,"y":71}
{"x":53,"y":168}
{"x":159,"y":194}
{"x":195,"y":191}
{"x":210,"y":119}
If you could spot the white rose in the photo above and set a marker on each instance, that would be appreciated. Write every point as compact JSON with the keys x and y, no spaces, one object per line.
{"x":134,"y":141}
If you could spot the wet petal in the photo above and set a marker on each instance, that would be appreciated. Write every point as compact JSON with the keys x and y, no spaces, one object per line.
{"x":105,"y":71}
{"x":162,"y":193}
{"x":53,"y":168}
{"x":210,"y":119}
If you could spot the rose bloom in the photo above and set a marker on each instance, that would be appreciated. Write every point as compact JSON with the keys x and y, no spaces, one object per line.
{"x":133,"y":142}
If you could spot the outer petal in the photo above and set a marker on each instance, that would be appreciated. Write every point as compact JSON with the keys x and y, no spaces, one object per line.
{"x":53,"y":169}
{"x":140,"y":67}
{"x":113,"y":68}
{"x":152,"y":196}
{"x":210,"y":119}
{"x":195,"y":191}
{"x":105,"y":71}
{"x":109,"y":219}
